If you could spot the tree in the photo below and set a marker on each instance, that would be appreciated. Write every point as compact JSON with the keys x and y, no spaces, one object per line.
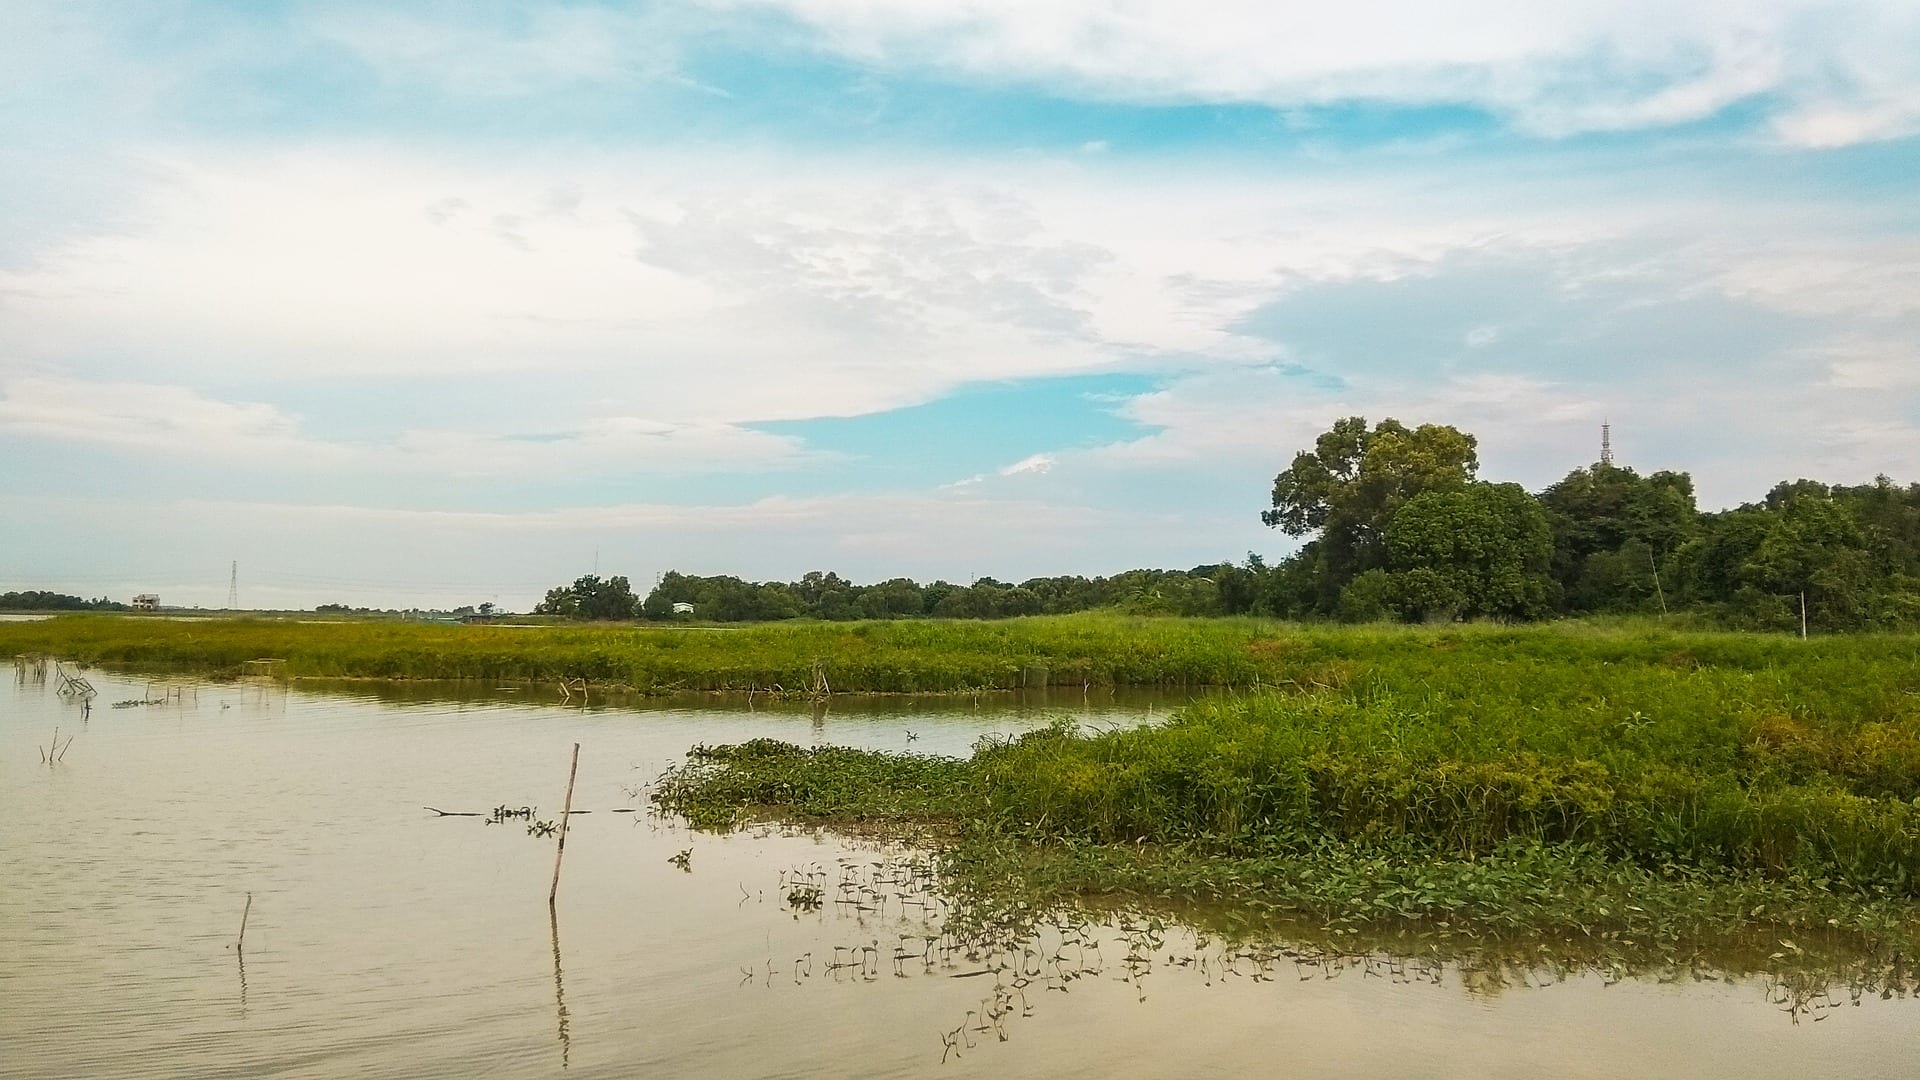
{"x":893,"y":599}
{"x":1480,"y":550}
{"x":1614,"y":530}
{"x":1815,"y":549}
{"x":591,"y":597}
{"x":1351,"y":484}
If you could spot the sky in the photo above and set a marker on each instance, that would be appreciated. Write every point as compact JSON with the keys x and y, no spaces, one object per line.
{"x":433,"y":304}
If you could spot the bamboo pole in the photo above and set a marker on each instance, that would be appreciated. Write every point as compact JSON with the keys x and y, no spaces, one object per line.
{"x":565,"y":812}
{"x":248,"y":910}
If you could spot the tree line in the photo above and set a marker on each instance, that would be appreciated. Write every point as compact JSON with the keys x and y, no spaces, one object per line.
{"x":42,"y":600}
{"x":1398,"y":526}
{"x":1203,"y":590}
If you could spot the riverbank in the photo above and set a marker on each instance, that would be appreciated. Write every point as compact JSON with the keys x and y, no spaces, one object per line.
{"x":950,"y":656}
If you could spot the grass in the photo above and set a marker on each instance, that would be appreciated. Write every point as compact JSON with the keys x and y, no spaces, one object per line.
{"x":1601,"y":784}
{"x":870,"y":657}
{"x":945,"y":656}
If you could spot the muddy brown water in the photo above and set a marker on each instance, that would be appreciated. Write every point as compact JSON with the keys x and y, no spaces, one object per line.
{"x":384,"y":941}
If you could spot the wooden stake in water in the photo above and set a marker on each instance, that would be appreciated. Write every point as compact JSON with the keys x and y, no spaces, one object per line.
{"x":565,"y":812}
{"x":248,"y":910}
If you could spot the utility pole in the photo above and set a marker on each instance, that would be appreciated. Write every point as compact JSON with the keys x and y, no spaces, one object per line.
{"x":1662,"y":593}
{"x":233,"y":586}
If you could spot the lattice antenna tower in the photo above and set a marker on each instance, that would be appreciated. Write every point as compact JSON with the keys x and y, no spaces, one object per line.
{"x":233,"y":586}
{"x":1606,"y":442}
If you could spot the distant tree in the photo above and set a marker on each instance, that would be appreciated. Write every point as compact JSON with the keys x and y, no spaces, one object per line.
{"x":723,"y":598}
{"x":42,"y":600}
{"x":591,"y":597}
{"x":896,"y":598}
{"x":1348,"y":488}
{"x":1484,"y":549}
{"x":1615,"y":532}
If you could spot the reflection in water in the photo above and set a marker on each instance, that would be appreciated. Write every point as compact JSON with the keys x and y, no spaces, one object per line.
{"x":241,"y":956}
{"x":887,"y":918}
{"x":560,"y":990}
{"x":240,"y":953}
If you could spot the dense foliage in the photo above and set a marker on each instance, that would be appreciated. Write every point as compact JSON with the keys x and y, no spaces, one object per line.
{"x":591,"y":597}
{"x":40,"y":600}
{"x":1204,"y":590}
{"x":1400,"y":528}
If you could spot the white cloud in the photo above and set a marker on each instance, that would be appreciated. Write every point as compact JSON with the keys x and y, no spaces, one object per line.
{"x":173,"y":421}
{"x":150,"y":418}
{"x":773,"y":297}
{"x":1845,"y":71}
{"x":1864,"y":363}
{"x":621,"y":445}
{"x":1035,"y":464}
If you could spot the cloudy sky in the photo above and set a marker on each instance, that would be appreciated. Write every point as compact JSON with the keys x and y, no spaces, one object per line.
{"x":443,"y":303}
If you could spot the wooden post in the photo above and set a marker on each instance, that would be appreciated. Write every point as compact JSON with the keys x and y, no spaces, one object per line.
{"x":565,"y":812}
{"x":1803,"y":616}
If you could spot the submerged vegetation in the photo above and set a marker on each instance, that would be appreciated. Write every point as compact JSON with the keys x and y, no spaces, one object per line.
{"x":1607,"y":787}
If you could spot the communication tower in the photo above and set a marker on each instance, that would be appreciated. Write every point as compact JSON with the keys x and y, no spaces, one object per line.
{"x":1606,"y":443}
{"x":233,"y":586}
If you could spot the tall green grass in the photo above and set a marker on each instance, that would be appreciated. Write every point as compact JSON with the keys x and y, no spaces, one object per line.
{"x":1841,"y":674}
{"x":1670,"y":753}
{"x":870,"y":657}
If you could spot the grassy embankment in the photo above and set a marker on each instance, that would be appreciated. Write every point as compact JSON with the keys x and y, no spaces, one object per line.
{"x":871,"y":657}
{"x":1622,"y":790}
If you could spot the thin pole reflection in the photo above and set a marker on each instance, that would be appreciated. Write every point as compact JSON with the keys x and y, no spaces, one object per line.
{"x":560,"y":990}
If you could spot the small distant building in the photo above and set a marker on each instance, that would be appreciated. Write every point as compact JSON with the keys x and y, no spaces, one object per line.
{"x":146,"y":601}
{"x":682,"y":608}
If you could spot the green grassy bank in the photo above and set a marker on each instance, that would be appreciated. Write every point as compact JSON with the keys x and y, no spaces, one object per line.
{"x":920,"y":656}
{"x":1620,"y":784}
{"x":870,"y":657}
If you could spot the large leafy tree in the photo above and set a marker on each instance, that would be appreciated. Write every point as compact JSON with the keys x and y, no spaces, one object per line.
{"x":1483,"y":549}
{"x":1351,"y":484}
{"x":1615,"y":533}
{"x":592,"y":597}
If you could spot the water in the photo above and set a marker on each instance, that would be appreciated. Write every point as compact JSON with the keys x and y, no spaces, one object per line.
{"x":385,"y":941}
